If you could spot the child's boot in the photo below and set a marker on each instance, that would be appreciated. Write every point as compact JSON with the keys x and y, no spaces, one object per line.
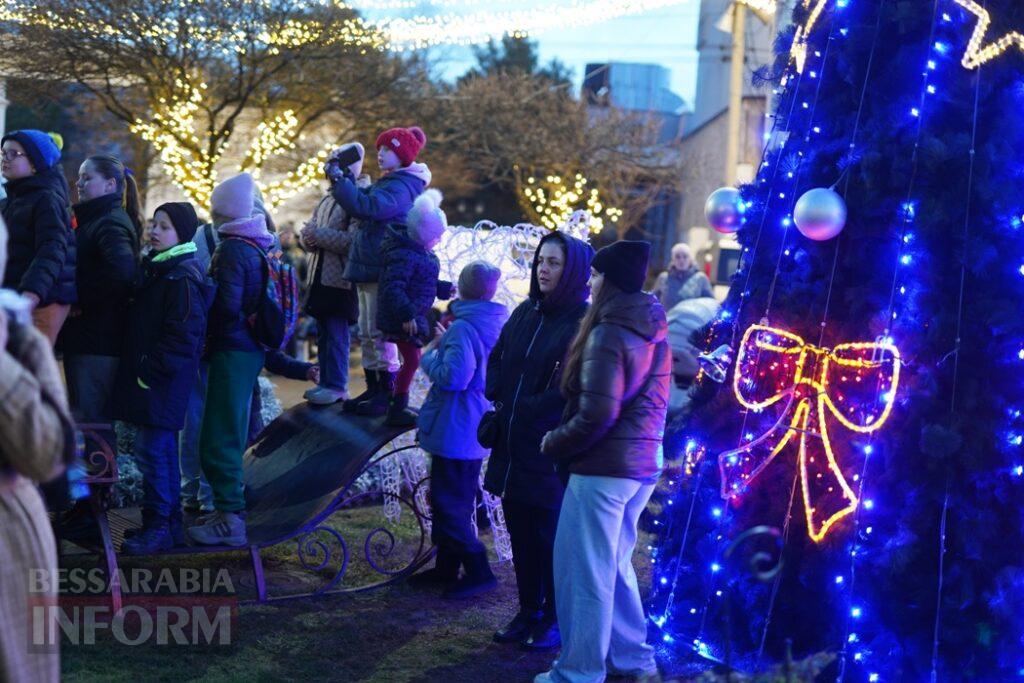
{"x":399,"y":413}
{"x":376,"y":404}
{"x":350,"y":405}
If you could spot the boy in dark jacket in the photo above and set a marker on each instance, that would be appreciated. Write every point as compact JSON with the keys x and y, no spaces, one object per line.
{"x":408,"y":287}
{"x":41,"y":266}
{"x":386,"y":202}
{"x":164,"y":337}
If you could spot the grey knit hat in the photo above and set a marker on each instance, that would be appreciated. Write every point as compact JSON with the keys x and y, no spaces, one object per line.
{"x":479,"y":281}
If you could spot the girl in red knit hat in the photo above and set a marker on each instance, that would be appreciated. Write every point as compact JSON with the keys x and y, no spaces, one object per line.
{"x":385,"y":202}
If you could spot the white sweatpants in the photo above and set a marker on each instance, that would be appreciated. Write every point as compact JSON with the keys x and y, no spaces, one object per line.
{"x":377,"y":353}
{"x":600,"y":613}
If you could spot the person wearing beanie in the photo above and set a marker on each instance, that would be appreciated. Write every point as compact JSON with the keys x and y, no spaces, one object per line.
{"x":624,"y":264}
{"x":616,"y":380}
{"x":235,"y":357}
{"x":107,"y":249}
{"x":376,"y":208}
{"x":330,"y":298}
{"x":408,"y":287}
{"x":455,"y":362}
{"x":37,"y":210}
{"x":522,"y":383}
{"x":162,"y":344}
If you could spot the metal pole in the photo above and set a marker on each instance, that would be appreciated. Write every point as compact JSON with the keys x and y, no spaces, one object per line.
{"x":732,"y":148}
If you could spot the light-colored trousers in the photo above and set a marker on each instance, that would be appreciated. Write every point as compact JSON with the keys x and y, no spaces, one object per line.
{"x":600,"y":613}
{"x":377,"y":353}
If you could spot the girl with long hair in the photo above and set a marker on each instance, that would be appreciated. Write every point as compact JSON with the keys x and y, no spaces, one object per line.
{"x":616,"y":382}
{"x":107,"y":242}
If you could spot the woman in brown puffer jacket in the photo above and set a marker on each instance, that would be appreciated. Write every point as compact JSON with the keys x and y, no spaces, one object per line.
{"x":617,"y":383}
{"x":35,"y":426}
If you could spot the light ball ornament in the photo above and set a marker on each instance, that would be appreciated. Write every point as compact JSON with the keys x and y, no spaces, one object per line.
{"x":820,"y":214}
{"x":724,"y":210}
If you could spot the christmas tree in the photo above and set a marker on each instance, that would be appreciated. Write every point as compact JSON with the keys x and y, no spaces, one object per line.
{"x":868,"y":408}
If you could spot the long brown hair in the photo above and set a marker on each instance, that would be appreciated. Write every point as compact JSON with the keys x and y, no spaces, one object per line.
{"x":114,"y":169}
{"x":574,"y":358}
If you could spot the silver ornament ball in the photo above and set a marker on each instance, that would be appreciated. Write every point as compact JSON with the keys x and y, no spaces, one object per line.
{"x":724,"y":210}
{"x":820,"y":214}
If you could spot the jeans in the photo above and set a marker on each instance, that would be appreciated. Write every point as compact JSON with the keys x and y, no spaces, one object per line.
{"x":377,"y":353}
{"x":333,"y":342}
{"x":532,"y":532}
{"x":90,"y":381}
{"x":600,"y":613}
{"x":224,"y":435}
{"x":195,"y":490}
{"x":453,"y":487}
{"x":156,"y":453}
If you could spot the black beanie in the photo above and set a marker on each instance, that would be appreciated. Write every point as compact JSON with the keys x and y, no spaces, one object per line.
{"x":183,"y":218}
{"x":624,"y":264}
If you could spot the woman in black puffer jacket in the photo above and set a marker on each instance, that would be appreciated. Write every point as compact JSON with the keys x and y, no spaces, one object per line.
{"x":522,"y":376}
{"x":107,"y":245}
{"x":617,"y":383}
{"x":41,"y":249}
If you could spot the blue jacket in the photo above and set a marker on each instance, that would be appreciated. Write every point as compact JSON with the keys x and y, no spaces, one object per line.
{"x":385,"y":202}
{"x":457,"y":370}
{"x":237,"y":270}
{"x":408,"y":287}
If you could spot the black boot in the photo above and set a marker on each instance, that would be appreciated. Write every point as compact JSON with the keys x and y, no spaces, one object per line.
{"x":444,"y":572}
{"x":478,"y":578}
{"x":376,"y":404}
{"x":399,"y":413}
{"x":519,"y":629}
{"x":349,"y":406}
{"x":544,"y":636}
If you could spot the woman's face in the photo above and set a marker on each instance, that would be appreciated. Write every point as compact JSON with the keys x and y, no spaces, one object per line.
{"x":550,"y":264}
{"x":388,"y":160}
{"x":596,"y":280}
{"x":91,"y":183}
{"x":162,"y":235}
{"x":15,"y":162}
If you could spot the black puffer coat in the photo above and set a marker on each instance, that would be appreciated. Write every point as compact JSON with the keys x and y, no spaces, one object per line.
{"x":237,"y":269}
{"x":41,"y":244}
{"x":523,"y":374}
{"x":615,"y":420}
{"x":107,"y":254}
{"x":408,"y":287}
{"x":163,"y":342}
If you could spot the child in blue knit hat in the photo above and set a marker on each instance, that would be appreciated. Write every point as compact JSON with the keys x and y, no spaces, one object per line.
{"x":37,"y":210}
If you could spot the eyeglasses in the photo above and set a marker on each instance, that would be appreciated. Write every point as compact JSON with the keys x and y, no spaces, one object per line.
{"x":11,"y":155}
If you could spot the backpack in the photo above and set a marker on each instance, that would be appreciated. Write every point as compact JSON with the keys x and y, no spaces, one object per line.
{"x":273,"y":322}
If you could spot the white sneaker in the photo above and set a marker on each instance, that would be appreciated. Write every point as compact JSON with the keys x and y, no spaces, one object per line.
{"x":221,"y":528}
{"x":322,"y":396}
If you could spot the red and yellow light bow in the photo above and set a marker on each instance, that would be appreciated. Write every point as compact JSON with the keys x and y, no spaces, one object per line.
{"x":854,"y":384}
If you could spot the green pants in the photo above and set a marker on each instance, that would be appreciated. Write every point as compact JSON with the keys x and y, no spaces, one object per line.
{"x":225,"y":426}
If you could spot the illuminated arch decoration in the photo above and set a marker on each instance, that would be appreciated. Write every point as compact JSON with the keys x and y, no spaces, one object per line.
{"x":978,"y":52}
{"x":853,"y":384}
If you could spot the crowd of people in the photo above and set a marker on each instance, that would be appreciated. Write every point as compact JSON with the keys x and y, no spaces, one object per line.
{"x":567,"y":394}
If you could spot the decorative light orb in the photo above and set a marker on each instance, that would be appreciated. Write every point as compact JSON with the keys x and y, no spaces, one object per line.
{"x":820,"y":214}
{"x":724,"y":210}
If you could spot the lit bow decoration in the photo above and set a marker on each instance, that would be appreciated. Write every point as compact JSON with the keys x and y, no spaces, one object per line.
{"x":854,"y":384}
